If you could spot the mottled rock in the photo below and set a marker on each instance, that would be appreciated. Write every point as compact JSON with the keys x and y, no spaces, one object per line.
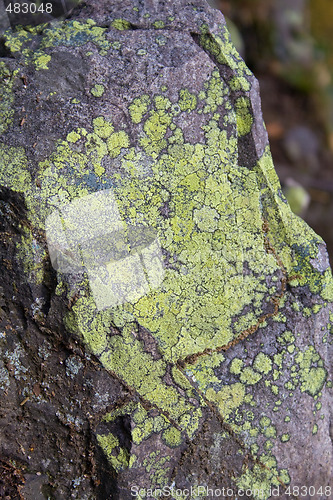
{"x":167,"y":320}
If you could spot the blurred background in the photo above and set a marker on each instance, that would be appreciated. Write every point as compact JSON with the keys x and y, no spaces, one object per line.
{"x":288,"y":44}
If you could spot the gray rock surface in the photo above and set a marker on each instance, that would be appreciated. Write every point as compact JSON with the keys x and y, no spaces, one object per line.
{"x":213,"y":369}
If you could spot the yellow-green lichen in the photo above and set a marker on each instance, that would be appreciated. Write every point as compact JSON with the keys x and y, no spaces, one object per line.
{"x":249,"y":376}
{"x":7,"y":76}
{"x":73,"y":136}
{"x":243,"y":115}
{"x":172,"y":437}
{"x":262,"y":363}
{"x":187,"y":101}
{"x":312,"y":378}
{"x":139,"y":107}
{"x":268,"y":445}
{"x":14,"y":172}
{"x":270,"y":432}
{"x":118,"y":457}
{"x":236,"y":366}
{"x":41,"y":61}
{"x":116,"y":142}
{"x":97,"y":90}
{"x":121,"y":24}
{"x":33,"y":256}
{"x":228,"y":398}
{"x":158,"y":24}
{"x":67,"y":33}
{"x":260,"y":480}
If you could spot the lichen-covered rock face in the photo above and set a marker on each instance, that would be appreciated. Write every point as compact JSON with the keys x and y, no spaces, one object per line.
{"x":219,"y":370}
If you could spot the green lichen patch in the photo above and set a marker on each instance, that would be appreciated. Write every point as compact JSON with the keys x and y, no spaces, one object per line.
{"x":236,"y":366}
{"x":97,"y":90}
{"x":262,"y":481}
{"x":285,"y":438}
{"x":14,"y":172}
{"x":262,"y":363}
{"x":172,"y":437}
{"x":118,"y":457}
{"x":139,"y":107}
{"x":312,"y":378}
{"x":121,"y":24}
{"x":249,"y":376}
{"x":187,"y":101}
{"x":7,"y":76}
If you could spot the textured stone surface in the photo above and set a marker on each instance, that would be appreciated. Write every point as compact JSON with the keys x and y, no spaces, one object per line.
{"x":220,"y":376}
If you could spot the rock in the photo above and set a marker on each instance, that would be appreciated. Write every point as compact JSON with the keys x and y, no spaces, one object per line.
{"x":167,"y":319}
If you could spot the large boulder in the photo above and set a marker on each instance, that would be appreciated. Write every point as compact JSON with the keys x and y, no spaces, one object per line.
{"x":166,"y":320}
